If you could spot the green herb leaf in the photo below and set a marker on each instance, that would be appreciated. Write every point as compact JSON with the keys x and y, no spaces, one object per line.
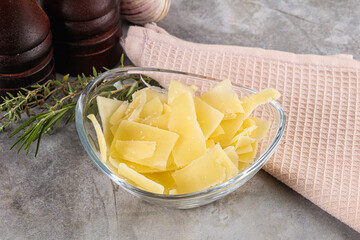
{"x":52,"y":103}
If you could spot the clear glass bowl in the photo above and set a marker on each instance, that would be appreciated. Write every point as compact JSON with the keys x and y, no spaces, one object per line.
{"x":271,"y":112}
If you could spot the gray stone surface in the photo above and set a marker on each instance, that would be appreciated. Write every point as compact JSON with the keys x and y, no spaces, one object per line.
{"x":62,"y":195}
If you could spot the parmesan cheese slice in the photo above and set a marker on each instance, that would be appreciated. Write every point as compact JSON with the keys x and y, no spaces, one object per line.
{"x":152,"y":108}
{"x":140,"y":180}
{"x":135,"y":150}
{"x":223,"y":98}
{"x":119,"y":113}
{"x":210,"y":169}
{"x":191,"y":143}
{"x":106,"y":107}
{"x":208,"y":117}
{"x":133,"y":131}
{"x":100,"y":137}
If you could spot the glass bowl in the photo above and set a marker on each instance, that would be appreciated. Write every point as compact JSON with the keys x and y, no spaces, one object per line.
{"x":271,"y":112}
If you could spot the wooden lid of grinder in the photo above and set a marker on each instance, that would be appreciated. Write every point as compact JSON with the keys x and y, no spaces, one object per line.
{"x":26,"y":55}
{"x":77,"y":10}
{"x":86,"y":34}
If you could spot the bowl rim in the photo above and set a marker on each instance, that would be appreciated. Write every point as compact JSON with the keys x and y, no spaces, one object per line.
{"x":252,"y":169}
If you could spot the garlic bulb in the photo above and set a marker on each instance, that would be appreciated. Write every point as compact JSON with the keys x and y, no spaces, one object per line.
{"x":144,"y":11}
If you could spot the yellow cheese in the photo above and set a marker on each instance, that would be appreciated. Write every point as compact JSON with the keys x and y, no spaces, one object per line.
{"x":243,"y":165}
{"x":114,"y":128}
{"x":230,"y":151}
{"x":117,"y":116}
{"x":161,"y":121}
{"x":114,"y":162}
{"x":137,"y":167}
{"x":173,"y":191}
{"x":244,"y":149}
{"x":100,"y":137}
{"x":171,"y":166}
{"x":261,"y":130}
{"x":152,"y":108}
{"x":199,"y":175}
{"x":241,"y":141}
{"x":114,"y":170}
{"x":119,"y":113}
{"x":264,"y":96}
{"x":140,"y":95}
{"x":140,"y":180}
{"x":249,"y":156}
{"x":210,"y":169}
{"x":247,"y":127}
{"x":176,"y":89}
{"x":249,"y":104}
{"x":210,"y":143}
{"x":135,"y":150}
{"x":191,"y":143}
{"x":163,"y":178}
{"x":223,"y":98}
{"x":229,"y":116}
{"x":165,"y":141}
{"x":171,"y":143}
{"x":107,"y":107}
{"x":135,"y":108}
{"x":208,"y":117}
{"x":218,"y":131}
{"x":151,"y":94}
{"x":230,"y":127}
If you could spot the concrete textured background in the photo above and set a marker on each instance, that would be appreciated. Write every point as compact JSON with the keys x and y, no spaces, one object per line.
{"x":62,"y":195}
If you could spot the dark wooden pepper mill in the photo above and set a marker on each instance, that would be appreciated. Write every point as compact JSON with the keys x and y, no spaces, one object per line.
{"x":26,"y":54}
{"x":86,"y":34}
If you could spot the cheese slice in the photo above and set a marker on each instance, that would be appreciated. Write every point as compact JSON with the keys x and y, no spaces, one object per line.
{"x":208,"y":117}
{"x":247,"y":127}
{"x":191,"y":143}
{"x":137,"y":167}
{"x":176,"y":89}
{"x":243,"y":165}
{"x":163,"y":178}
{"x":262,"y":127}
{"x":152,"y":108}
{"x":100,"y":137}
{"x":232,"y":126}
{"x":212,"y":168}
{"x":210,"y":143}
{"x":135,"y":108}
{"x":151,"y":94}
{"x":119,"y":113}
{"x":107,"y":107}
{"x":133,"y":131}
{"x":241,"y":141}
{"x":249,"y":156}
{"x":223,"y":98}
{"x":140,"y":180}
{"x":244,"y":149}
{"x":230,"y":151}
{"x":135,"y":150}
{"x":218,"y":131}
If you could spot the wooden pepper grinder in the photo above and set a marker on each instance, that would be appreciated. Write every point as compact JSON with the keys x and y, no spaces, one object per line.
{"x":26,"y":54}
{"x":86,"y":34}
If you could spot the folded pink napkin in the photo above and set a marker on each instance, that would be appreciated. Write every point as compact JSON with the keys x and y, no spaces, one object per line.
{"x":319,"y":156}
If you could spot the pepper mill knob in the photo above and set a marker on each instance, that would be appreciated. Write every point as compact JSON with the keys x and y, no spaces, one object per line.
{"x":86,"y":34}
{"x":26,"y":54}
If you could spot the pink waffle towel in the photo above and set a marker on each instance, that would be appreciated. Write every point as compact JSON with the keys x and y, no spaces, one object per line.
{"x":319,"y":156}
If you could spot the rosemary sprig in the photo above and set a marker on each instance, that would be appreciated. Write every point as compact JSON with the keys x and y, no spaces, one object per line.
{"x":47,"y":96}
{"x":44,"y":122}
{"x":46,"y":106}
{"x":49,"y":104}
